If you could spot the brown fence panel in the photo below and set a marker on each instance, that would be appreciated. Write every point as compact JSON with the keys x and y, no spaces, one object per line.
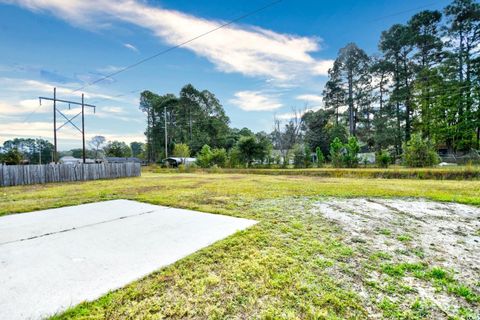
{"x":35,"y":174}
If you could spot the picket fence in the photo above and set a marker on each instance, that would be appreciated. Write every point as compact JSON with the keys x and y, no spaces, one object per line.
{"x":46,"y":173}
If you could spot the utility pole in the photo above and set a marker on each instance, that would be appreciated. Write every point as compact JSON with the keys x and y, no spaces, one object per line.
{"x":83,"y":128}
{"x":68,"y":120}
{"x":54,"y":124}
{"x":40,"y":154}
{"x":166,"y":135}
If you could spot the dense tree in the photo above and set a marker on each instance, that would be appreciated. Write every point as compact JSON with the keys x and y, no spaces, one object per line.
{"x":425,"y":80}
{"x":138,"y":149}
{"x":181,"y":150}
{"x":33,"y":150}
{"x":117,"y":149}
{"x":194,"y":117}
{"x":349,"y":72}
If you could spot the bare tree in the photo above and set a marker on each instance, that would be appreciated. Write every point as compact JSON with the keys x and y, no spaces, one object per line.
{"x":284,"y":137}
{"x":96,"y":144}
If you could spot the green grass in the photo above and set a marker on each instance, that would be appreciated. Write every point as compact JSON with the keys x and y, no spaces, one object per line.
{"x":394,"y":172}
{"x":291,"y":265}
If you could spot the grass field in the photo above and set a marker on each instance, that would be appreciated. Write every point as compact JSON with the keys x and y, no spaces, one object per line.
{"x":293,"y":264}
{"x":468,"y":172}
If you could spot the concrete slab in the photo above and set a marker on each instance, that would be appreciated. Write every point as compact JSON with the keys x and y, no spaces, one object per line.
{"x":53,"y":259}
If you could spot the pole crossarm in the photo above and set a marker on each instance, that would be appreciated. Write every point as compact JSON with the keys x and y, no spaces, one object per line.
{"x":66,"y":101}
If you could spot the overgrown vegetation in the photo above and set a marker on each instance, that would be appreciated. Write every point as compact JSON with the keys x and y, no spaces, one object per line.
{"x":293,"y":264}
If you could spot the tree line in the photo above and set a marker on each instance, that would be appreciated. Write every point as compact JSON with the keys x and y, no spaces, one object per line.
{"x":420,"y":90}
{"x":425,"y":80}
{"x":40,"y":151}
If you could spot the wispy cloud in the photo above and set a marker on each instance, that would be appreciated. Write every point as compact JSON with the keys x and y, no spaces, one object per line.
{"x":69,"y":135}
{"x":293,"y":114}
{"x":247,"y":50}
{"x":130,"y":46}
{"x":255,"y":101}
{"x":310,"y":98}
{"x":35,"y":87}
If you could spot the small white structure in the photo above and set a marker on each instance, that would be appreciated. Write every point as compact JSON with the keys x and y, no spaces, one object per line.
{"x":367,"y":157}
{"x":70,"y":160}
{"x":176,"y":161}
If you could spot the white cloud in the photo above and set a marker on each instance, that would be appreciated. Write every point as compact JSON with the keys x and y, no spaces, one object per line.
{"x":130,"y":46}
{"x":248,"y":50}
{"x":22,"y":107}
{"x":110,"y":69}
{"x":321,"y":67}
{"x":35,"y":88}
{"x":310,"y":98}
{"x":69,"y":136}
{"x":255,"y":101}
{"x":291,"y":115}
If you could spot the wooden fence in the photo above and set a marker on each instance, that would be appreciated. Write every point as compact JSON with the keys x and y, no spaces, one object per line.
{"x":45,"y":173}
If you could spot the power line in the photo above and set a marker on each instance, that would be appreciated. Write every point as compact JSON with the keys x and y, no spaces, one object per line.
{"x":131,"y":66}
{"x":178,"y":45}
{"x":402,"y":12}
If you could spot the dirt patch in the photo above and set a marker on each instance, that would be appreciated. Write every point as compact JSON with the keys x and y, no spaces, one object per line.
{"x":425,"y":249}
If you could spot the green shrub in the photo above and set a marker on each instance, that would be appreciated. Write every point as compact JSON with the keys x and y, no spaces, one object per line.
{"x":418,"y":152}
{"x":320,"y":157}
{"x":218,"y":158}
{"x":181,"y":150}
{"x":383,"y":159}
{"x":307,"y":160}
{"x":298,"y":156}
{"x":12,"y":156}
{"x":336,"y":148}
{"x":350,"y":158}
{"x":204,"y":156}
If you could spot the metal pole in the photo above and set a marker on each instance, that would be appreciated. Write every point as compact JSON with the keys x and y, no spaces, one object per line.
{"x":166,"y":137}
{"x":55,"y":125}
{"x":83,"y":129}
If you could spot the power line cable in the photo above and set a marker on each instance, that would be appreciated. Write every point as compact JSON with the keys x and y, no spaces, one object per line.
{"x":178,"y":45}
{"x":133,"y":65}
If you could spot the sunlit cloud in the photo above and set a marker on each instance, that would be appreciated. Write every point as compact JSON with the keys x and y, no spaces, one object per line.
{"x":255,"y":101}
{"x":248,"y":50}
{"x":310,"y":98}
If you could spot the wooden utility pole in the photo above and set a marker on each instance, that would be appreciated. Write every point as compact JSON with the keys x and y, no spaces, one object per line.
{"x":68,"y":120}
{"x":54,"y":124}
{"x":83,"y":129}
{"x":166,"y":135}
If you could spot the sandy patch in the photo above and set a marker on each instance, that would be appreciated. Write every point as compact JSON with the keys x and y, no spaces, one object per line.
{"x":445,"y":235}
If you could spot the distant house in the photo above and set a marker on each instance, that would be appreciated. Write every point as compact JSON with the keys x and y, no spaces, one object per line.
{"x":122,"y":160}
{"x":175,"y":161}
{"x":72,"y":160}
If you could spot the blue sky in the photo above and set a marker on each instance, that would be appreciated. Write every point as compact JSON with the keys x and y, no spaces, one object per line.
{"x":261,"y":67}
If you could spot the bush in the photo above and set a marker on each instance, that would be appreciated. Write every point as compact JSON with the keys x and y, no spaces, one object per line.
{"x":12,"y":157}
{"x":218,"y":158}
{"x":298,"y":156}
{"x":307,"y":157}
{"x":350,"y":158}
{"x":181,"y":150}
{"x":320,"y":157}
{"x":336,"y":155}
{"x":208,"y":157}
{"x":383,"y":159}
{"x":418,"y":152}
{"x":204,"y":156}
